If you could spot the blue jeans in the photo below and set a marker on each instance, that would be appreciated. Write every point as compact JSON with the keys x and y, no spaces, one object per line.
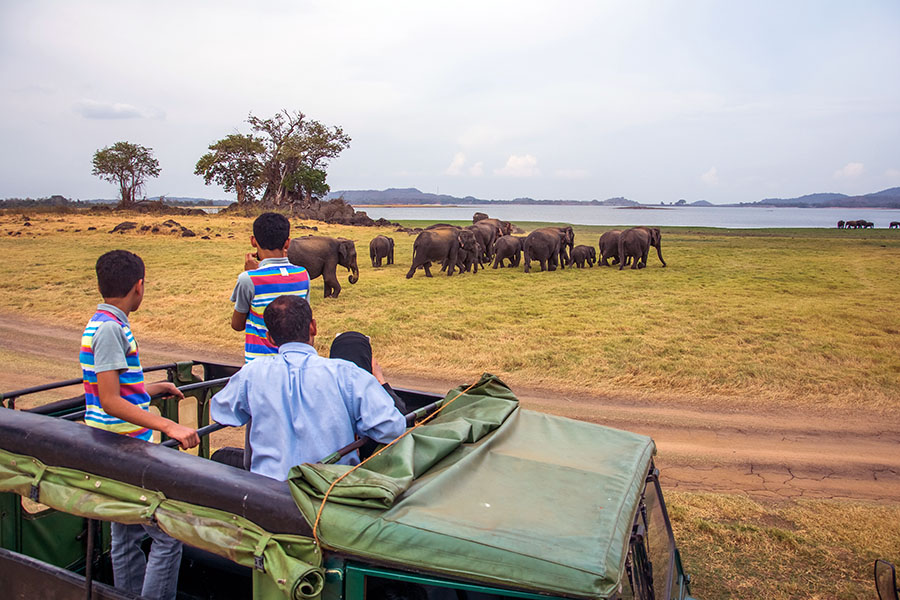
{"x":156,"y":578}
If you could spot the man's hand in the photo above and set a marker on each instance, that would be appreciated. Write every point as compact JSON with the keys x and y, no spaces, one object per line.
{"x":164,"y":387}
{"x":251,"y":262}
{"x":187,"y":437}
{"x":376,"y":371}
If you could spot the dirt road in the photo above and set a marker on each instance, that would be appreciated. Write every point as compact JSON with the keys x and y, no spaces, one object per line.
{"x":773,"y":455}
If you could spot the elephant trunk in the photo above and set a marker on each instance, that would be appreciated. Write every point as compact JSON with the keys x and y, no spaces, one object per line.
{"x":354,"y":274}
{"x":659,"y":252}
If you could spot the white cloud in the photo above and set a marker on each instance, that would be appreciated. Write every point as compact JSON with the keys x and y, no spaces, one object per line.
{"x":456,"y":165}
{"x":92,"y":109}
{"x":571,"y":173}
{"x":850,"y":171}
{"x":519,"y":166}
{"x":711,"y":177}
{"x":477,"y":169}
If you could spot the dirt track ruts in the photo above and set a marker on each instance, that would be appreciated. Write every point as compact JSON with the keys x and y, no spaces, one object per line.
{"x":776,"y":455}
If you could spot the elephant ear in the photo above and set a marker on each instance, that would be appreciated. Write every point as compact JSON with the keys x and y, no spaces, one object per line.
{"x":344,"y":251}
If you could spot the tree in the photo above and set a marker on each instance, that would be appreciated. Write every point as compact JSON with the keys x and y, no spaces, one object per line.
{"x":127,"y":165}
{"x":297,"y":151}
{"x":235,"y":163}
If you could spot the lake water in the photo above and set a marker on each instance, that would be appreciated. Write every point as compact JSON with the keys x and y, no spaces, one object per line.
{"x":734,"y":217}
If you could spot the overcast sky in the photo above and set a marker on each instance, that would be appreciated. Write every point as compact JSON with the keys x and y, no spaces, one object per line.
{"x":724,"y":101}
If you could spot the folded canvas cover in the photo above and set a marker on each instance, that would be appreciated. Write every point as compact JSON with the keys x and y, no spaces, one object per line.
{"x":544,"y":503}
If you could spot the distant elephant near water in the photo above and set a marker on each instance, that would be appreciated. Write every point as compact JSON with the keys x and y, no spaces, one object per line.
{"x":635,"y":243}
{"x":840,"y":224}
{"x":894,"y":225}
{"x":381,"y":247}
{"x":321,"y":256}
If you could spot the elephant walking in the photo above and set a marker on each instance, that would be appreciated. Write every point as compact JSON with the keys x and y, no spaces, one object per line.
{"x":635,"y":243}
{"x":508,"y":247}
{"x":840,"y":224}
{"x":583,"y":254}
{"x":440,"y":245}
{"x":894,"y":225}
{"x":470,"y":259}
{"x":321,"y":256}
{"x":609,"y":247}
{"x":486,"y":234}
{"x":545,"y":246}
{"x":381,"y":247}
{"x":505,"y":227}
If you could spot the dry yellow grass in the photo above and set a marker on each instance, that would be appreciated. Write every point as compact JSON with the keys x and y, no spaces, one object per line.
{"x":737,"y":548}
{"x":778,"y":318}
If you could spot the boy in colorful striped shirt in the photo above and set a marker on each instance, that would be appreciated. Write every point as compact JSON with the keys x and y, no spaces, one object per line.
{"x":116,"y":399}
{"x":267,"y":275}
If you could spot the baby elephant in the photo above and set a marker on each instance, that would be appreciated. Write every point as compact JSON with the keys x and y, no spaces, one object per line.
{"x":381,"y":247}
{"x":583,"y":254}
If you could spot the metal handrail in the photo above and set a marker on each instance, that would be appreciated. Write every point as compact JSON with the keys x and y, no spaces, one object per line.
{"x":185,"y":388}
{"x":11,"y":396}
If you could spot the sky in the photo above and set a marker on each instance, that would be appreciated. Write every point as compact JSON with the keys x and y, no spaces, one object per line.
{"x":655,"y":101}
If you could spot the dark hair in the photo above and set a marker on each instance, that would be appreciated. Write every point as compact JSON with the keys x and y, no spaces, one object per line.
{"x":271,"y":230}
{"x":117,"y":272}
{"x":287,"y":319}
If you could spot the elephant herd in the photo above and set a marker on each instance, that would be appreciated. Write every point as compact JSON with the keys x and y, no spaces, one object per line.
{"x":862,"y":224}
{"x":491,"y":241}
{"x":466,"y":249}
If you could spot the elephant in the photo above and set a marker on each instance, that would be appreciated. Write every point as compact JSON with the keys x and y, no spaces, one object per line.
{"x":841,"y":224}
{"x":508,"y":247}
{"x":566,"y":240}
{"x":505,"y":227}
{"x":321,"y":256}
{"x":583,"y":254}
{"x":381,"y":247}
{"x":470,"y":259}
{"x":441,"y":226}
{"x":869,"y":225}
{"x":635,"y":243}
{"x":894,"y":225}
{"x":609,"y":247}
{"x":440,"y":245}
{"x":486,"y":234}
{"x":545,"y":246}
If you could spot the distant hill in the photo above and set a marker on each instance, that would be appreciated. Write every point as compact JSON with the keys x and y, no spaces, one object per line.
{"x":415,"y":196}
{"x":889,"y":198}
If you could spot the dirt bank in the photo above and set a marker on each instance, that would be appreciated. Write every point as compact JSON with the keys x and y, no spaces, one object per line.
{"x":775,"y":455}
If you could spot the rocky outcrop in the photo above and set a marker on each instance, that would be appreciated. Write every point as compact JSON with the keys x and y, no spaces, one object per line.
{"x":335,"y":212}
{"x":168,"y":227}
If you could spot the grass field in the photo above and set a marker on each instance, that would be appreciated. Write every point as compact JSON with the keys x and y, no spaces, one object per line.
{"x":744,"y":317}
{"x":771,"y":318}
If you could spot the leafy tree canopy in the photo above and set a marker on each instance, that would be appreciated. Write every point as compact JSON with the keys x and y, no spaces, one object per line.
{"x":127,"y":165}
{"x":297,"y":152}
{"x":235,"y":163}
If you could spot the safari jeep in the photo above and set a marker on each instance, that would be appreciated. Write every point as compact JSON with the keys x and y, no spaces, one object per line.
{"x":482,"y":500}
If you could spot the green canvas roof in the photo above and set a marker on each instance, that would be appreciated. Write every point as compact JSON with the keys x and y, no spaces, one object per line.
{"x":491,"y":493}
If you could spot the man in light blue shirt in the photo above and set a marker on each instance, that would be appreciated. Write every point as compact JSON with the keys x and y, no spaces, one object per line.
{"x":303,"y":406}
